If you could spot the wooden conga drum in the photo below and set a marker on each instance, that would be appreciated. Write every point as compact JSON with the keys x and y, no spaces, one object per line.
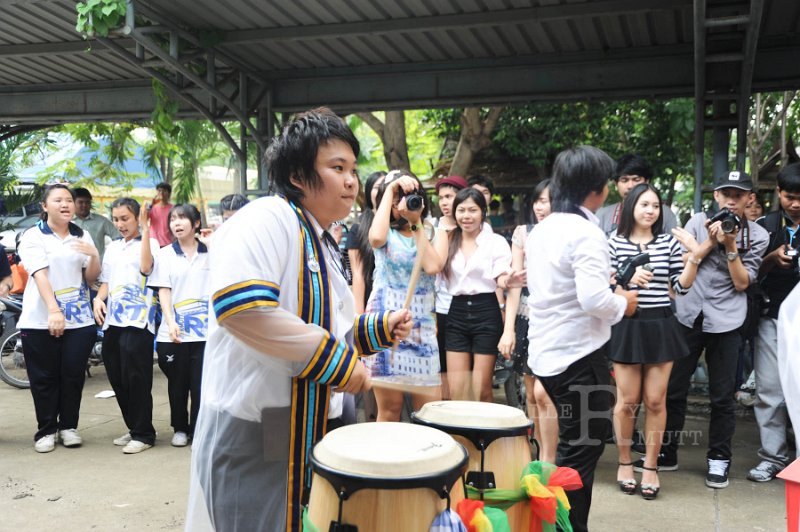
{"x":383,"y":476}
{"x":497,"y":440}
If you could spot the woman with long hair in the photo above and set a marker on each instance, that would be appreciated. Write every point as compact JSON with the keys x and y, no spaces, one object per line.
{"x":397,"y":236}
{"x":644,"y":346}
{"x":359,"y":250}
{"x":478,"y":262}
{"x":57,"y":326}
{"x":181,"y":277}
{"x":541,"y":409}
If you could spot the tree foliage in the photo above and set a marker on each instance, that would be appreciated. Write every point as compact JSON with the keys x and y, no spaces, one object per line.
{"x":660,"y":130}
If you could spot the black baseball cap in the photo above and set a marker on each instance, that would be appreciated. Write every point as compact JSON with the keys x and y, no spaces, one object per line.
{"x":735,"y":179}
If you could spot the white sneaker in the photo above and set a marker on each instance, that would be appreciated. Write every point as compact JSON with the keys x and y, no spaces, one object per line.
{"x":180,"y":439}
{"x":123,"y":440}
{"x":70,"y":437}
{"x":135,"y":446}
{"x":45,"y":444}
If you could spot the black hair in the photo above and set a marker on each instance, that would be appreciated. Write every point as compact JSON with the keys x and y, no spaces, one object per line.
{"x":130,"y":203}
{"x":577,"y":172}
{"x":369,"y":184}
{"x":164,"y":186}
{"x":530,"y":199}
{"x":632,"y":164}
{"x":626,"y":220}
{"x":81,"y":192}
{"x":392,"y":176}
{"x":494,"y":204}
{"x":482,"y":181}
{"x":361,"y":236}
{"x":233,"y":202}
{"x":188,"y":211}
{"x":455,"y":235}
{"x":789,"y":178}
{"x":46,"y":191}
{"x":759,"y":200}
{"x":293,"y":154}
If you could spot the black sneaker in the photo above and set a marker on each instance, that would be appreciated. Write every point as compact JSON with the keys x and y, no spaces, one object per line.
{"x":638,"y":442}
{"x":717,"y":476}
{"x":664,"y":463}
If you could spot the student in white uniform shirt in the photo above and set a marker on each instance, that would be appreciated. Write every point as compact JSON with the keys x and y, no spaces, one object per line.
{"x":478,"y":263}
{"x":571,"y":311}
{"x":181,"y":277}
{"x":125,"y":307}
{"x":57,"y":326}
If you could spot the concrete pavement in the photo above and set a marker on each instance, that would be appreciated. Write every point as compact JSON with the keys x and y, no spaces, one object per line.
{"x":96,"y":487}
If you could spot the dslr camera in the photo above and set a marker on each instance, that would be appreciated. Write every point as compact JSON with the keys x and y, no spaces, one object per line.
{"x":730,"y":222}
{"x":414,"y":200}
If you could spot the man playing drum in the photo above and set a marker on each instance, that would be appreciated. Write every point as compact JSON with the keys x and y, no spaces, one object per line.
{"x":283,"y":333}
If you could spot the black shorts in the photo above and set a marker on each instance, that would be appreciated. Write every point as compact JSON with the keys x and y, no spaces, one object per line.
{"x":474,"y":324}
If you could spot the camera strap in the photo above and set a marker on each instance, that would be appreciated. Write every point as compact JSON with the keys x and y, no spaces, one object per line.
{"x":745,"y":236}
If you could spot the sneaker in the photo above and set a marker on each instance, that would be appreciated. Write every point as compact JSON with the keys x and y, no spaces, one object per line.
{"x":45,"y":444}
{"x":717,"y":476}
{"x":70,"y":438}
{"x":123,"y":440}
{"x":745,"y":398}
{"x":664,"y":464}
{"x":764,"y":472}
{"x":638,"y":445}
{"x":135,"y":446}
{"x":180,"y":439}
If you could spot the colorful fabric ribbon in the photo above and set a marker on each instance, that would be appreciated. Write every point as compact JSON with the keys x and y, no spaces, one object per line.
{"x":481,"y":518}
{"x":544,"y":485}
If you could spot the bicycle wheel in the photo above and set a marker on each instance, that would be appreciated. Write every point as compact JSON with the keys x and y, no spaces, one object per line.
{"x":12,"y":361}
{"x":515,"y":392}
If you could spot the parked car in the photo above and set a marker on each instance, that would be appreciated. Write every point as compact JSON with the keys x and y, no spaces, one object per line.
{"x":8,"y":238}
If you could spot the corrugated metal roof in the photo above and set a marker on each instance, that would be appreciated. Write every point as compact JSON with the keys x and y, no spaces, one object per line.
{"x":321,"y":39}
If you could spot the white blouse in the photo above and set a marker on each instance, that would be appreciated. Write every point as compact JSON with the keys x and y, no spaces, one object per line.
{"x":479,"y":273}
{"x":131,"y":303}
{"x":41,"y":248}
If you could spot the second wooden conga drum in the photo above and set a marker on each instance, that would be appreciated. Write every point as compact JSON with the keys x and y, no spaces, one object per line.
{"x":497,"y":438}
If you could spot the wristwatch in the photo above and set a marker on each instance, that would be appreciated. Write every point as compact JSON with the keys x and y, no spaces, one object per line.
{"x":732,"y":256}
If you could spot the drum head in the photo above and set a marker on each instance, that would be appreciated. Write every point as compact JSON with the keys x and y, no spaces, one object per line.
{"x":473,"y":414}
{"x":388,"y":451}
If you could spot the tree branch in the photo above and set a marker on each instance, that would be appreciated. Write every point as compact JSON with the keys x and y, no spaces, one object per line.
{"x":372,"y":121}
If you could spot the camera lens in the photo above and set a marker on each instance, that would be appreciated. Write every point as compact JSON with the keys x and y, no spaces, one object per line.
{"x":728,"y":225}
{"x":414,"y":202}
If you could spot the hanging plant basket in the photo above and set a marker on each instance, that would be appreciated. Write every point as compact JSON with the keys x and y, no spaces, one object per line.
{"x":96,"y":18}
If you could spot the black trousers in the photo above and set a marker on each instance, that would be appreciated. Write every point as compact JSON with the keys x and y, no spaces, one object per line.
{"x":183,"y":365}
{"x":722,"y":354}
{"x":57,"y":371}
{"x":584,"y":399}
{"x":128,"y":357}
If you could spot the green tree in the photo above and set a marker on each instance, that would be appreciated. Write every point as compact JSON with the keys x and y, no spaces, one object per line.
{"x":17,"y":152}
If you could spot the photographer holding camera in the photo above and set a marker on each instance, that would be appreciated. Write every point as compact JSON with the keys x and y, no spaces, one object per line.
{"x":712,"y":314}
{"x":780,"y":274}
{"x":397,"y":235}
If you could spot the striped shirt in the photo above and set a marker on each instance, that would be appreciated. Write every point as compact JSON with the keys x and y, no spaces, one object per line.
{"x":666,"y":259}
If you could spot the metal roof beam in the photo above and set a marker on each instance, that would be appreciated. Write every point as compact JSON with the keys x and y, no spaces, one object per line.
{"x":68,"y":47}
{"x":473,"y":20}
{"x":746,"y":84}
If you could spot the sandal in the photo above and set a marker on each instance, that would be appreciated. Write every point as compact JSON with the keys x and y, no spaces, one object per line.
{"x":650,"y":491}
{"x":627,"y":486}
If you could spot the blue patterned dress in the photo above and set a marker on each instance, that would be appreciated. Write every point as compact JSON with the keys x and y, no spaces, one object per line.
{"x":418,"y":355}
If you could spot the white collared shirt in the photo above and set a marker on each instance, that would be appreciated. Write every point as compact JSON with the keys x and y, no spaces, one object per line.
{"x":188,"y":281}
{"x":130,"y":303}
{"x":479,"y":273}
{"x":41,"y":248}
{"x":571,"y":307}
